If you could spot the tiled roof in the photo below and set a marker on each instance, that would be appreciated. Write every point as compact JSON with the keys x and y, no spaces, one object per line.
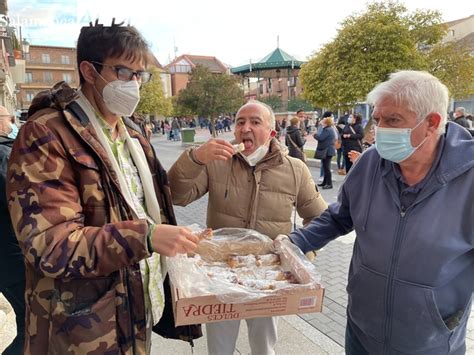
{"x":212,"y":63}
{"x":152,"y":60}
{"x":277,"y":59}
{"x":467,"y":41}
{"x":455,"y":22}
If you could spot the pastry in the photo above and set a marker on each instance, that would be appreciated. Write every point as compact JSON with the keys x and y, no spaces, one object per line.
{"x":238,"y":148}
{"x":205,"y":234}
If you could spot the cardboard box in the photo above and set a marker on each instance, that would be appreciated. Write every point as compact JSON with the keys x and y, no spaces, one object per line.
{"x":208,"y":309}
{"x":195,"y":308}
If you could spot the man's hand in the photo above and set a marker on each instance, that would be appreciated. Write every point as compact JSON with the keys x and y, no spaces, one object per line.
{"x":353,"y":155}
{"x":170,"y":240}
{"x":214,"y":149}
{"x":281,"y":238}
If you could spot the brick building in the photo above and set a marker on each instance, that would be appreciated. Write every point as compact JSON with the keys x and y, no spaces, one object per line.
{"x":180,"y":69}
{"x":45,"y":66}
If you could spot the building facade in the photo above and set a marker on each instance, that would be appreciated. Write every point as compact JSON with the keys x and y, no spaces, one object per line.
{"x":45,"y":66}
{"x":180,"y":69}
{"x":7,"y":63}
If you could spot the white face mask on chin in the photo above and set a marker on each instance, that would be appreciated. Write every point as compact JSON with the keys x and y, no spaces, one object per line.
{"x":253,"y":158}
{"x":121,"y":97}
{"x":256,"y":156}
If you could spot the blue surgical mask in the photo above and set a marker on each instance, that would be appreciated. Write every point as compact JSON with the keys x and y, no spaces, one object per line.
{"x":14,"y":131}
{"x":394,"y":144}
{"x":350,"y":120}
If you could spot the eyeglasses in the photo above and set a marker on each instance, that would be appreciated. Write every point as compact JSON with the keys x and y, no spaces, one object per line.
{"x":126,"y":74}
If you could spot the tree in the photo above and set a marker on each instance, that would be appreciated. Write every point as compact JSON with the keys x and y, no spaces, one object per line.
{"x":370,"y":46}
{"x":209,"y":95}
{"x":454,"y":66}
{"x":152,"y":99}
{"x":274,"y":101}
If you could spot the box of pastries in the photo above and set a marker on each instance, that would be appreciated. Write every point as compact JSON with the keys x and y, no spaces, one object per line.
{"x":237,"y":274}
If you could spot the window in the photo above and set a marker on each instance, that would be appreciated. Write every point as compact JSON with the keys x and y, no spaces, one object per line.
{"x":65,"y":59}
{"x":30,"y":95}
{"x":48,"y":76}
{"x":28,"y":77}
{"x":292,"y":81}
{"x":45,"y":58}
{"x":67,"y":77}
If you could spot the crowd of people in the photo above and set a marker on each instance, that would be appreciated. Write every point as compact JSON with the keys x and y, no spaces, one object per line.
{"x":87,"y":211}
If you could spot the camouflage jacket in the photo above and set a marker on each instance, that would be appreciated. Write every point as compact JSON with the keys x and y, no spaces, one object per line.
{"x":84,"y":292}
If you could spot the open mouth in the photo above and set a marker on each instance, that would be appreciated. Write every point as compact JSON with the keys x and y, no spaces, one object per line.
{"x":248,"y":143}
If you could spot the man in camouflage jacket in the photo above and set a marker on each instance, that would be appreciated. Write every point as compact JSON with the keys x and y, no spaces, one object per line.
{"x":80,"y":236}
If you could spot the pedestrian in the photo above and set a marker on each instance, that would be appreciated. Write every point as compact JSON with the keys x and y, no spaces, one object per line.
{"x":352,"y":135}
{"x":176,"y":129}
{"x":302,"y":117}
{"x":460,"y":117}
{"x":255,"y":189}
{"x":295,"y":141}
{"x":326,"y":148}
{"x":409,"y":200}
{"x":90,"y":207}
{"x":12,"y":267}
{"x":341,"y":123}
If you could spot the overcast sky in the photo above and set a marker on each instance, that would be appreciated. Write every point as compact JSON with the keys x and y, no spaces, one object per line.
{"x":233,"y":31}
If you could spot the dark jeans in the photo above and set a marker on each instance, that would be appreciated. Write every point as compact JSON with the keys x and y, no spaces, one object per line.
{"x":340,"y":159}
{"x":347,"y":162}
{"x":15,"y":295}
{"x":326,"y":163}
{"x":353,"y":345}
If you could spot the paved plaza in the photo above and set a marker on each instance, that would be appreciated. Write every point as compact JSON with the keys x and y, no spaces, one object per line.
{"x":315,"y":333}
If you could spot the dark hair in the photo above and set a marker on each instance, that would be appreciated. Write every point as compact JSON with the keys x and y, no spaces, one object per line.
{"x":357,"y":118}
{"x":97,"y":43}
{"x":327,"y":114}
{"x":300,"y":110}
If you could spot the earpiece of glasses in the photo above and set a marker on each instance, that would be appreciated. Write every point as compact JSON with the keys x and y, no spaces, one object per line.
{"x":126,"y":74}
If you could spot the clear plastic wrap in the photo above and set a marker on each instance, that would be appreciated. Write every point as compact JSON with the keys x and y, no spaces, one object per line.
{"x":208,"y":271}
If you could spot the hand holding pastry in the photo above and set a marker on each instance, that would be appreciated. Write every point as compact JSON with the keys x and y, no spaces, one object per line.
{"x":214,"y":149}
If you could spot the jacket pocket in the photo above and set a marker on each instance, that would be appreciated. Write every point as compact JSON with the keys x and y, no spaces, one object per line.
{"x":86,"y":329}
{"x":416,"y":323}
{"x":84,"y":158}
{"x":366,"y":293}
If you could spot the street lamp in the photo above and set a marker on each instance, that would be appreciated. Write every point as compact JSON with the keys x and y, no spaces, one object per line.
{"x":25,"y":46}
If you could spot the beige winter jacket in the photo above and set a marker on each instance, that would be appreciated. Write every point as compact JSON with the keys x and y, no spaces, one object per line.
{"x":259,"y":198}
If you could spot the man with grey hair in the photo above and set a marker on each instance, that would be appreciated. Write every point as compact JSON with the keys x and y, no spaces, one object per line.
{"x":256,"y":189}
{"x":411,"y":275}
{"x":460,"y":117}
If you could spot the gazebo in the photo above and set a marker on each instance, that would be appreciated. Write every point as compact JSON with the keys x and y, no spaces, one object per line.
{"x":276,"y":65}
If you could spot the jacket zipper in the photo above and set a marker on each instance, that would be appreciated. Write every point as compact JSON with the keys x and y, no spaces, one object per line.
{"x":390,"y":281}
{"x":129,"y":309}
{"x":253,"y":196}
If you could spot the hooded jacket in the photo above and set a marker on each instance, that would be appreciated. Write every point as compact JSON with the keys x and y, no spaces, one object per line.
{"x":241,"y":196}
{"x":411,"y":277}
{"x":84,"y":291}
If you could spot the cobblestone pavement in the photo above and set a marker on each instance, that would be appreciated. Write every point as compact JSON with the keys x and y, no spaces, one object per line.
{"x":332,"y":261}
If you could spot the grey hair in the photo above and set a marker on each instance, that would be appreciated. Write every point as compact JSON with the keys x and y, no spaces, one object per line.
{"x":421,"y":93}
{"x":269,"y":109}
{"x":460,"y":109}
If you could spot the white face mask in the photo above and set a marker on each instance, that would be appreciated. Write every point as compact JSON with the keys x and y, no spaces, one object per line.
{"x":256,"y":156}
{"x":259,"y":153}
{"x":121,"y":97}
